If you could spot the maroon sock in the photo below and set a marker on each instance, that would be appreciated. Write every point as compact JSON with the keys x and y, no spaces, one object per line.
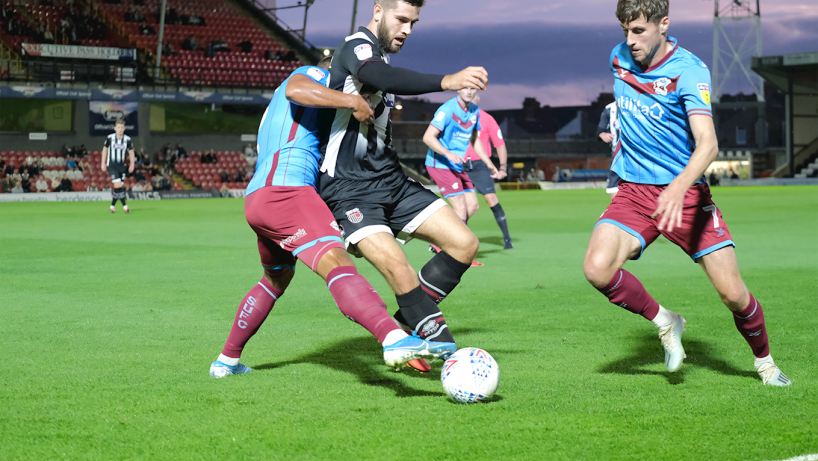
{"x":360,"y":302}
{"x":750,"y":323}
{"x":253,"y":309}
{"x":626,"y":291}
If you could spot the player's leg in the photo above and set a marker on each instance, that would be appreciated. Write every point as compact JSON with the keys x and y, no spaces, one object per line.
{"x":451,"y":188}
{"x":459,"y":205}
{"x":359,"y":302}
{"x":623,"y":234}
{"x":116,"y":183}
{"x":472,"y":205}
{"x":721,"y":268}
{"x":279,"y":269}
{"x":484,"y":184}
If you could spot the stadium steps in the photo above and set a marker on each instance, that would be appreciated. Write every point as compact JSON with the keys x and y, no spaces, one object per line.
{"x":802,"y":160}
{"x":179,"y":179}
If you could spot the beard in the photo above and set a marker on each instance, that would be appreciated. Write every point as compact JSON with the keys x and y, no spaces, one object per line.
{"x":386,"y":40}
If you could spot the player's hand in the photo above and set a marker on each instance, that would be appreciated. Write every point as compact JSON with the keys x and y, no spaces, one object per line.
{"x":670,"y":206}
{"x":607,"y":137}
{"x":130,"y":168}
{"x":362,"y":110}
{"x":103,"y":168}
{"x":470,"y":77}
{"x":501,"y":174}
{"x":494,"y":171}
{"x":454,"y":158}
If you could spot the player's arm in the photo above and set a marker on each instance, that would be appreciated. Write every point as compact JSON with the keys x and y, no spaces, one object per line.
{"x":496,"y":138}
{"x":133,"y":160}
{"x":397,"y":80}
{"x":104,"y":158}
{"x":478,"y":148}
{"x":671,"y":200}
{"x":431,"y":140}
{"x":603,"y":130}
{"x":304,"y":91}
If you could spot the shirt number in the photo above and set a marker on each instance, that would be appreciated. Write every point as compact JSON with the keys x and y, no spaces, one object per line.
{"x":712,"y":209}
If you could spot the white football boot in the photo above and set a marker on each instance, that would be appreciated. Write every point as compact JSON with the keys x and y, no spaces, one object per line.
{"x":770,"y":374}
{"x":671,"y":336}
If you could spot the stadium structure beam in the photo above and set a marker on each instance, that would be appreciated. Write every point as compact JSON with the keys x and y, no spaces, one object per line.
{"x":161,"y":35}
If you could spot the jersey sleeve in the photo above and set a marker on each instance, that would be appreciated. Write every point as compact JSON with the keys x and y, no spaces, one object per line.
{"x":355,"y":54}
{"x":130,"y":144}
{"x":478,"y":126}
{"x":442,"y":117}
{"x":495,"y":134}
{"x":107,"y":142}
{"x":316,"y":74}
{"x":694,"y":90}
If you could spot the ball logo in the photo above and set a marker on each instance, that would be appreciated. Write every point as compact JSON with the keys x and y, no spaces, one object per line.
{"x":355,"y":216}
{"x":660,"y":86}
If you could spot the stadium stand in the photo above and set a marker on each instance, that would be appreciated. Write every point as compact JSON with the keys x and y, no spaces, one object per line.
{"x":208,"y":175}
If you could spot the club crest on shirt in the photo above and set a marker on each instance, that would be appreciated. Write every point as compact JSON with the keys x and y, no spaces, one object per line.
{"x":355,"y":216}
{"x":704,"y":90}
{"x":660,"y":86}
{"x":622,"y":73}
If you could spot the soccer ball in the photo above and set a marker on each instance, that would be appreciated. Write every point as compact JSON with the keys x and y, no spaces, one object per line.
{"x":470,"y":375}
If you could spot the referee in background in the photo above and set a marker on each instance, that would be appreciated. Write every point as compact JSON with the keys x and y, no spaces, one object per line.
{"x":117,"y":144}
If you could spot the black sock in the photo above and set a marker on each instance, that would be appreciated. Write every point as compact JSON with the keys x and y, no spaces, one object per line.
{"x":500,"y":217}
{"x":113,"y":200}
{"x":441,"y":275}
{"x":122,"y":196}
{"x":420,"y":313}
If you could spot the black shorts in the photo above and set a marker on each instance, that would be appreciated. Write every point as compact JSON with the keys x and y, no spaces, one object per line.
{"x":117,"y":171}
{"x":394,"y":204}
{"x":480,"y":176}
{"x":613,"y":182}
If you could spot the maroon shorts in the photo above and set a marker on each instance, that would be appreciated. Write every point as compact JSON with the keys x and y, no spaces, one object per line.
{"x":450,"y":182}
{"x":702,"y":231}
{"x":291,"y":222}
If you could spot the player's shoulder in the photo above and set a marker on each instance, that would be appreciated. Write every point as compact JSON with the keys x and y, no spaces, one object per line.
{"x":359,"y":44}
{"x":618,"y":53}
{"x":315,"y":73}
{"x":684,"y":60}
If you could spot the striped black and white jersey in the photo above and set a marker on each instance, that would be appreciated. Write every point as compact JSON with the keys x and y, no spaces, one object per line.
{"x":118,"y":148}
{"x":351,"y":150}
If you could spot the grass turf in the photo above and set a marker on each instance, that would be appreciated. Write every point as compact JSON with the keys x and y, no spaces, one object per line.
{"x":109,"y":323}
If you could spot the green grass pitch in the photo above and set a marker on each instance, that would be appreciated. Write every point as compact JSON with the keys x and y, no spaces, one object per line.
{"x":108,"y":325}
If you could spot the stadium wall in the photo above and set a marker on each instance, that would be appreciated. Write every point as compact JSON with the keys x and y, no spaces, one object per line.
{"x":150,"y":141}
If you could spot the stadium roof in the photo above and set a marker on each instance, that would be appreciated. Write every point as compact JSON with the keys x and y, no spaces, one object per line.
{"x":801,"y":68}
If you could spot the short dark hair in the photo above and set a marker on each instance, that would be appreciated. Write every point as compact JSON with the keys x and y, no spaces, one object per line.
{"x":631,"y":10}
{"x":120,"y":122}
{"x":390,"y":4}
{"x":325,"y":62}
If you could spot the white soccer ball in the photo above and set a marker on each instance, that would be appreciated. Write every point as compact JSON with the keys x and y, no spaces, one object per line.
{"x":470,"y":375}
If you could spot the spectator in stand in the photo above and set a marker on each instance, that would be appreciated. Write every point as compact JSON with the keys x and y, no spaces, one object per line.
{"x":65,"y":186}
{"x":190,"y":43}
{"x":18,"y":188}
{"x":145,"y":29}
{"x":225,"y":175}
{"x":168,"y":182}
{"x":2,"y":164}
{"x":93,"y":187}
{"x":167,"y":50}
{"x":249,"y":151}
{"x":42,"y":184}
{"x":55,"y":183}
{"x":180,"y":151}
{"x":26,"y":183}
{"x":246,"y":46}
{"x":48,"y":37}
{"x":7,"y":184}
{"x":71,"y":162}
{"x":84,"y":165}
{"x":139,"y":15}
{"x":557,"y":175}
{"x":130,"y":15}
{"x":240,"y":175}
{"x":67,"y":151}
{"x":171,"y":17}
{"x":138,"y":187}
{"x":224,"y":190}
{"x":9,"y":170}
{"x":219,"y":44}
{"x":82,"y":151}
{"x":192,"y":20}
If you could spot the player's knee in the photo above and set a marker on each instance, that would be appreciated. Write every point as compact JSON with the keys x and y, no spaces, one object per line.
{"x":280,"y":277}
{"x":735,"y":298}
{"x":473,"y":208}
{"x":596,"y":271}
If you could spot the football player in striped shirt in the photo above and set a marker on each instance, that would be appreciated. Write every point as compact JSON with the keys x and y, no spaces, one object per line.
{"x":667,"y":142}
{"x":117,"y":149}
{"x":291,"y":222}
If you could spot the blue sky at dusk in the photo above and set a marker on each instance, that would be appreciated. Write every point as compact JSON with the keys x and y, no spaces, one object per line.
{"x":554,"y":51}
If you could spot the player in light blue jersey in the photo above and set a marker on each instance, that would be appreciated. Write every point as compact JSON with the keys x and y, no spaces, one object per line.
{"x":453,"y":128}
{"x":291,"y":221}
{"x":667,"y":141}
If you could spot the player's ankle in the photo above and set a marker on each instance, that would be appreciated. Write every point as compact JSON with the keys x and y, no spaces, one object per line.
{"x":394,"y":336}
{"x":663,"y":318}
{"x":228,"y":360}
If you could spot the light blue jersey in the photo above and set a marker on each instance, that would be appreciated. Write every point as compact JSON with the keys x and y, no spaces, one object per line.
{"x":456,"y":126}
{"x":654,"y":108}
{"x":287,"y":139}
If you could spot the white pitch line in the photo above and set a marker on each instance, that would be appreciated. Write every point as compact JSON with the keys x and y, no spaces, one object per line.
{"x":803,"y":458}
